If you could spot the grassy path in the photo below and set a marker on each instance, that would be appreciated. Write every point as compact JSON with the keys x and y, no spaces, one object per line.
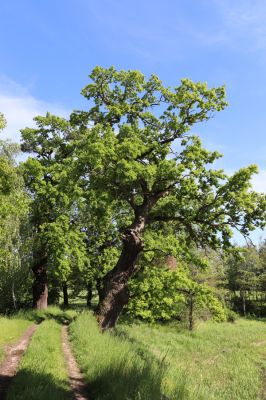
{"x":75,"y":376}
{"x":113,"y":368}
{"x":141,"y":362}
{"x":42,"y":373}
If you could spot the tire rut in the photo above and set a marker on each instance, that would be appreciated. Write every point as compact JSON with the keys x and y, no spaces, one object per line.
{"x":77,"y":384}
{"x":13,"y":355}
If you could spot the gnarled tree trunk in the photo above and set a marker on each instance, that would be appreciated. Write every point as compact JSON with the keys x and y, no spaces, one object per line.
{"x":39,"y":287}
{"x":114,"y":294}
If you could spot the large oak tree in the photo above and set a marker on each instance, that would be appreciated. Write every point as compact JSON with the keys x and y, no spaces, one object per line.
{"x":136,"y":149}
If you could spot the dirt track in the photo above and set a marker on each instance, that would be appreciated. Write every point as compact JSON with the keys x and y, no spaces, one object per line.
{"x":13,"y":354}
{"x":75,"y":376}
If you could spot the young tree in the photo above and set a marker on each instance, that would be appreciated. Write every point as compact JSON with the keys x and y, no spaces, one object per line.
{"x":138,"y":151}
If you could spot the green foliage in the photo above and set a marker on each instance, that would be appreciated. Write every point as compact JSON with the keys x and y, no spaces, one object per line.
{"x":132,"y":157}
{"x":126,"y":153}
{"x":231,"y":316}
{"x":161,"y":292}
{"x":2,"y":121}
{"x":57,"y":233}
{"x":245,"y":270}
{"x":155,"y":295}
{"x":13,"y":230}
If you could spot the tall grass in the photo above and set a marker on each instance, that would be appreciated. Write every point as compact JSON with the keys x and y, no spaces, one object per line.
{"x":10,"y":331}
{"x":42,"y":373}
{"x":220,"y":361}
{"x":142,"y":362}
{"x":114,"y":367}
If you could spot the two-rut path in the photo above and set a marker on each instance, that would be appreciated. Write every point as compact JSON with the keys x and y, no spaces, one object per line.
{"x":14,"y":353}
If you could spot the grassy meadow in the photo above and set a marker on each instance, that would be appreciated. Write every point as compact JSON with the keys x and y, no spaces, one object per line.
{"x":142,"y":362}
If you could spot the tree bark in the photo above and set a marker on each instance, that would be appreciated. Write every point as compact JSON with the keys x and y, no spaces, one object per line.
{"x":40,"y":287}
{"x":89,"y":294}
{"x":243,"y":297}
{"x":191,"y":312}
{"x":65,"y":294}
{"x":114,"y":294}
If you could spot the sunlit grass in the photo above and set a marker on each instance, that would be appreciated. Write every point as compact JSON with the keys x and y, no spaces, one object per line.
{"x":113,"y":368}
{"x":10,"y":331}
{"x":216,"y":362}
{"x":42,"y":373}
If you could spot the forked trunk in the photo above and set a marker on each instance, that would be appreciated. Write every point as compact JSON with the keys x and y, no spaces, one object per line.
{"x":114,"y":294}
{"x":39,"y":287}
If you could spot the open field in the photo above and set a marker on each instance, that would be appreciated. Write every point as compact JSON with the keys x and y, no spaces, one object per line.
{"x":217,"y":361}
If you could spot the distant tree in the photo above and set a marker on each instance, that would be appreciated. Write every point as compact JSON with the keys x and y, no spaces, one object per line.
{"x":262,"y":278}
{"x":2,"y":121}
{"x":244,"y":274}
{"x":58,"y":243}
{"x":13,"y":226}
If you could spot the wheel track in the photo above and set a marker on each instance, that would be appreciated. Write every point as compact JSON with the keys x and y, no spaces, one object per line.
{"x":13,"y":355}
{"x":77,"y":384}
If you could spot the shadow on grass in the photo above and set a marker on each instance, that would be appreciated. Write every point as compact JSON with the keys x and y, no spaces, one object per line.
{"x":62,"y":316}
{"x":28,"y":385}
{"x":127,"y":380}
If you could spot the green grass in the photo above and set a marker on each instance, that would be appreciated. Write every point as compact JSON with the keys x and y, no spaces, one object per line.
{"x":218,"y":361}
{"x":142,"y":362}
{"x":10,"y":331}
{"x":60,"y":315}
{"x":113,"y":368}
{"x":42,"y":374}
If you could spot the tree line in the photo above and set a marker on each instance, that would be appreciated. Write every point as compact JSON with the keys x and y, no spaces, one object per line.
{"x":122,"y":199}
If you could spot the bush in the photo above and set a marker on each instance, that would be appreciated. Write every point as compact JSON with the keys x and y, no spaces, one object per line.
{"x":231,"y":316}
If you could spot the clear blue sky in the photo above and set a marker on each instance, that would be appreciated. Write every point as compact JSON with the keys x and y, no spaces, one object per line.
{"x":49,"y":47}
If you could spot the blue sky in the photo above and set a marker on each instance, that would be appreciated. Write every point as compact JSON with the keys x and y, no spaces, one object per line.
{"x":48,"y":48}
